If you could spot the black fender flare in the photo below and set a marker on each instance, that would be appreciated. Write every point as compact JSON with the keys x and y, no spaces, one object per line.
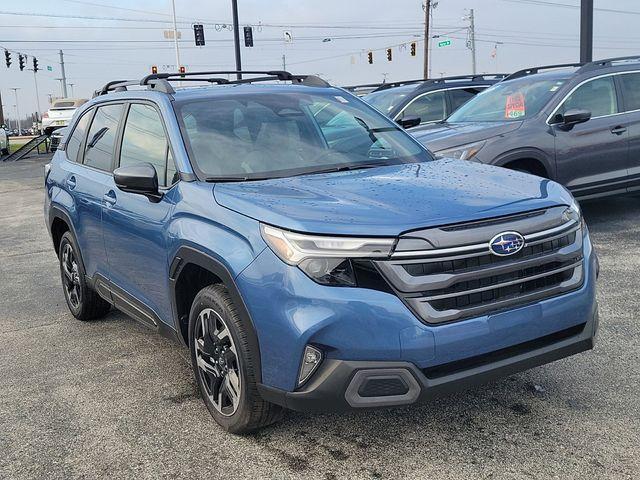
{"x":57,"y":212}
{"x":188,"y":255}
{"x":529,"y":153}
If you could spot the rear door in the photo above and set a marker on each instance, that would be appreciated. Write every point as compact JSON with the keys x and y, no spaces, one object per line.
{"x":592,"y":157}
{"x":629,"y":84}
{"x":430,"y":107}
{"x":86,"y":181}
{"x":135,"y":228}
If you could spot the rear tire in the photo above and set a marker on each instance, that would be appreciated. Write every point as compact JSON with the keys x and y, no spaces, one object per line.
{"x":225,"y":365}
{"x":83,"y":302}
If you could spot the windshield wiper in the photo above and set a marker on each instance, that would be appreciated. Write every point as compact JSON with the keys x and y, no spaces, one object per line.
{"x":230,"y":178}
{"x":344,"y":168}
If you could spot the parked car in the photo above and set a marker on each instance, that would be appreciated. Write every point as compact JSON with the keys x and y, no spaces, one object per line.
{"x":306,"y":266}
{"x":60,"y":113}
{"x":577,"y":124}
{"x":4,"y":141}
{"x":420,"y":102}
{"x":56,"y":138}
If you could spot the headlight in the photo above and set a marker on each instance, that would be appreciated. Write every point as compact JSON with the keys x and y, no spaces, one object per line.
{"x":463,"y":152}
{"x":324,"y":259}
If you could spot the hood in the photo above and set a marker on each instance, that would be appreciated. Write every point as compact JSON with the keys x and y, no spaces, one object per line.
{"x":389,"y":200}
{"x":440,"y":136}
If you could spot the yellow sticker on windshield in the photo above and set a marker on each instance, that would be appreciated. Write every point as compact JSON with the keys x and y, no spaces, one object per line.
{"x":514,"y":107}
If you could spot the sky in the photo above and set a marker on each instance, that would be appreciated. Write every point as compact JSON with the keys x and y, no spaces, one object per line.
{"x":103,"y":40}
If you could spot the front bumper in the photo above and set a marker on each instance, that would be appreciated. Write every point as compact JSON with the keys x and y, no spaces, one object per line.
{"x":342,"y":385}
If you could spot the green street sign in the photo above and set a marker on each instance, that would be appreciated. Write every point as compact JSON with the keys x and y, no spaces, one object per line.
{"x":444,"y":43}
{"x":49,"y":68}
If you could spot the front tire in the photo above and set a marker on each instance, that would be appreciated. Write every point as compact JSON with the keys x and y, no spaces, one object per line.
{"x":83,"y":302}
{"x":224,"y":364}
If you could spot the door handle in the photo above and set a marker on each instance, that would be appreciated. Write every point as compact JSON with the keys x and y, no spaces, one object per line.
{"x":71,"y":182}
{"x":619,"y":130}
{"x":109,"y":198}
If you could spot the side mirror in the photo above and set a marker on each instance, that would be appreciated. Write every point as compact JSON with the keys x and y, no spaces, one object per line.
{"x":409,"y":121}
{"x":141,"y":179}
{"x":574,"y":116}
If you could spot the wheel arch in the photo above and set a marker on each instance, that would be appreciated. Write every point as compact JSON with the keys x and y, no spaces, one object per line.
{"x":190,"y":271}
{"x":540,"y":163}
{"x":59,"y":223}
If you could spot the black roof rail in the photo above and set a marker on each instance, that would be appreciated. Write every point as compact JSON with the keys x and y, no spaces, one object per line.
{"x":609,"y":62}
{"x":532,"y":70}
{"x":115,"y":86}
{"x":310,"y":80}
{"x":435,"y":81}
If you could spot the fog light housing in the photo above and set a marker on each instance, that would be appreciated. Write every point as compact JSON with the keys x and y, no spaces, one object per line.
{"x":311,"y":359}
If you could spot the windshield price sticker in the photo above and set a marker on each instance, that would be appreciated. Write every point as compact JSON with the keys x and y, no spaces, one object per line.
{"x":514,"y":107}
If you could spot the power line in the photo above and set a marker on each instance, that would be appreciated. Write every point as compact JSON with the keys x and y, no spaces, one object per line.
{"x":565,"y":5}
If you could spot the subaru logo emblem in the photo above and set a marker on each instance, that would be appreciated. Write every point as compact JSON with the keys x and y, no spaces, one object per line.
{"x":506,"y":243}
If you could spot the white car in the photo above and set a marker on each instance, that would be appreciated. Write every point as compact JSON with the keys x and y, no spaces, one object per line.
{"x":4,"y":141}
{"x":60,"y":113}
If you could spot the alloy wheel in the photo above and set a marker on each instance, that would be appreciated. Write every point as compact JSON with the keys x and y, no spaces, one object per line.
{"x":71,"y":276}
{"x":217,"y":360}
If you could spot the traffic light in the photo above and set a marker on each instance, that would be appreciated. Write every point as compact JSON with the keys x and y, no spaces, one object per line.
{"x":389,"y":54}
{"x":413,"y":48}
{"x":183,"y":70}
{"x":248,"y":36}
{"x":7,"y":58}
{"x":35,"y":65}
{"x":198,"y":32}
{"x":21,"y":59}
{"x":154,"y":69}
{"x":370,"y":57}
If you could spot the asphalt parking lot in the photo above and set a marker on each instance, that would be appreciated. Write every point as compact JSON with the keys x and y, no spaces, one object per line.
{"x":107,"y":398}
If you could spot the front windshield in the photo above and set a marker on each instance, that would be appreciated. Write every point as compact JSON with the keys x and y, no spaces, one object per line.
{"x":387,"y":100}
{"x":512,"y":100}
{"x":252,"y":135}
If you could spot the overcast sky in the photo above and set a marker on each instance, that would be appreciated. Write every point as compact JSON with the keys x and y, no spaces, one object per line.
{"x":104,"y":40}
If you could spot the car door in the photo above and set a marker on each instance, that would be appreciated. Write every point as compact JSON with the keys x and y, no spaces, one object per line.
{"x":430,"y":107}
{"x":592,"y":157}
{"x":135,"y":227}
{"x":629,"y":83}
{"x":86,"y":180}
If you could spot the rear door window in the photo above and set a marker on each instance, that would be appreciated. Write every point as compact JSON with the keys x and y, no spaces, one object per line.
{"x":144,"y":140}
{"x":75,"y":140}
{"x":461,"y":96}
{"x":430,"y":107}
{"x":597,"y":96}
{"x":102,"y":137}
{"x":630,"y":90}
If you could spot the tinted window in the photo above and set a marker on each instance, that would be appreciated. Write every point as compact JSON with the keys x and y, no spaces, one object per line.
{"x":102,"y":137}
{"x":387,"y":100}
{"x":429,"y":107}
{"x":461,"y":96}
{"x":75,"y":141}
{"x":597,"y":96}
{"x":144,"y":140}
{"x":278,"y":134}
{"x":631,"y":90}
{"x":510,"y":100}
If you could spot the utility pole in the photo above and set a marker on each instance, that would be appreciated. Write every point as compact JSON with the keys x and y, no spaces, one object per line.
{"x":236,"y":37}
{"x":15,"y":91}
{"x":64,"y":75}
{"x":427,"y":14}
{"x":1,"y":111}
{"x":471,"y":40}
{"x":39,"y":112}
{"x":586,"y":31}
{"x":175,"y":35}
{"x":284,"y":62}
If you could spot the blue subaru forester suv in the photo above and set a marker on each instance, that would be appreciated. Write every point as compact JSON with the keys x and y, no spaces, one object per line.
{"x":307,"y":250}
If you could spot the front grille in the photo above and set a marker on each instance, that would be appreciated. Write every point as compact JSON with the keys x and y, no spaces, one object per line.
{"x":463,"y":278}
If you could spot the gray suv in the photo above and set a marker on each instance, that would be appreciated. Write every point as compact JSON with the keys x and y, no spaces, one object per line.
{"x":577,"y":124}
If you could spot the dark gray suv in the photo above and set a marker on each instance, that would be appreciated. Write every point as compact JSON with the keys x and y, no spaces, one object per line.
{"x":578,"y":124}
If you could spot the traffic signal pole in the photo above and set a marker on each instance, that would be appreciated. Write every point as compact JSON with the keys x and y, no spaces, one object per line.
{"x":175,"y":35}
{"x":39,"y":112}
{"x":427,"y":14}
{"x":586,"y":31}
{"x":236,"y":37}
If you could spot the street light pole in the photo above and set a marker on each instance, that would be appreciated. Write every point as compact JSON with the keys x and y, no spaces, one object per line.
{"x":39,"y":112}
{"x":175,"y":35}
{"x":586,"y":31}
{"x":15,"y":91}
{"x":71,"y":86}
{"x":236,"y":37}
